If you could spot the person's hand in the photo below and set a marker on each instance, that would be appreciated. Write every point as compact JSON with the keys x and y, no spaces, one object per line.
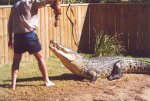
{"x":48,"y":1}
{"x":10,"y":44}
{"x":56,"y":23}
{"x":57,"y":13}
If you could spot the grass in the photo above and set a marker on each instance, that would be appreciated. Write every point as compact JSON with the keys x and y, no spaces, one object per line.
{"x":30,"y":69}
{"x":29,"y":75}
{"x":30,"y":83}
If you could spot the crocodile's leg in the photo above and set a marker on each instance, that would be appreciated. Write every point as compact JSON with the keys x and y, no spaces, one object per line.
{"x":91,"y":75}
{"x":116,"y":72}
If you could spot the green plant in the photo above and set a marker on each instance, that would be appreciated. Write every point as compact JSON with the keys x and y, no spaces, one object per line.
{"x":107,"y":45}
{"x":75,"y":1}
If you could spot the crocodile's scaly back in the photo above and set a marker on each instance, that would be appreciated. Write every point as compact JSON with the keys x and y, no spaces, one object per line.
{"x":103,"y":66}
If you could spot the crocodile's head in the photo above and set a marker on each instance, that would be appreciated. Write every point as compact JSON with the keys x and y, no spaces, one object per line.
{"x":70,"y":59}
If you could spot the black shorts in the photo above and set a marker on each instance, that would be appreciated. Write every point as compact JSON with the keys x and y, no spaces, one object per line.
{"x":26,"y":42}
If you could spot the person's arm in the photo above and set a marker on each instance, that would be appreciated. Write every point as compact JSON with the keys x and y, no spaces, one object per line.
{"x":10,"y":44}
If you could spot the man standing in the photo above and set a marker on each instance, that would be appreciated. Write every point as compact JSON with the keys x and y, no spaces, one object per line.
{"x":23,"y":22}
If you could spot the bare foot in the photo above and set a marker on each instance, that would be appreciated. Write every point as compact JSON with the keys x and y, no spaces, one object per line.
{"x":13,"y":86}
{"x":47,"y":84}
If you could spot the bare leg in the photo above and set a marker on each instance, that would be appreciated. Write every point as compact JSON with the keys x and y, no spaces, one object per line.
{"x":15,"y":69}
{"x":43,"y":68}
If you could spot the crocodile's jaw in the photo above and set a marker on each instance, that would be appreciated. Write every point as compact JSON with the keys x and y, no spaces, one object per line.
{"x":67,"y":56}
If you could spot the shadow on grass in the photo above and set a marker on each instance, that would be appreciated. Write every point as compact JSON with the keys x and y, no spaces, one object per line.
{"x":4,"y":85}
{"x":9,"y":86}
{"x":60,"y":77}
{"x":67,"y":77}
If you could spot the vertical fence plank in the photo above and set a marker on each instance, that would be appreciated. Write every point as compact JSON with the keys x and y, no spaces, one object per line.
{"x":1,"y":37}
{"x":61,"y":29}
{"x":42,"y":29}
{"x":100,"y":17}
{"x":83,"y":29}
{"x":140,"y":31}
{"x":50,"y":24}
{"x":76,"y":41}
{"x":148,"y":28}
{"x":132,"y":26}
{"x":46,"y":33}
{"x":143,"y":34}
{"x":121,"y":25}
{"x":111,"y":19}
{"x":93,"y":15}
{"x":10,"y":51}
{"x":65,"y":25}
{"x":145,"y":30}
{"x":5,"y":37}
{"x":79,"y":20}
{"x":73,"y":34}
{"x":69,"y":28}
{"x":125,"y":26}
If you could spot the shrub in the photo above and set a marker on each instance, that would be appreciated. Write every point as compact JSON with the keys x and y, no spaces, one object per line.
{"x":108,"y":45}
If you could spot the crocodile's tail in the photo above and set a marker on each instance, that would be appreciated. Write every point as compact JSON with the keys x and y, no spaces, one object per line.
{"x":137,"y":66}
{"x":129,"y":66}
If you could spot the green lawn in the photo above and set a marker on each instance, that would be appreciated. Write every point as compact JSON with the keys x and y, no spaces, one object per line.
{"x":30,"y":81}
{"x":29,"y":74}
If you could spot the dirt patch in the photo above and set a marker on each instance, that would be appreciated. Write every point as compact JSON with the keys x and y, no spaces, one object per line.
{"x":131,"y":87}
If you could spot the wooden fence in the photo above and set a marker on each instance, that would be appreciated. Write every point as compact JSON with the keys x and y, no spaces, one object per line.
{"x":132,"y":20}
{"x":77,"y":24}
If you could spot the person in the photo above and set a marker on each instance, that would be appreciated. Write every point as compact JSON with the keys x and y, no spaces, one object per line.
{"x":23,"y":22}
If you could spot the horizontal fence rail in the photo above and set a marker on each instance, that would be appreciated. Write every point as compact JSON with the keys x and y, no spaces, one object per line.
{"x":77,"y":24}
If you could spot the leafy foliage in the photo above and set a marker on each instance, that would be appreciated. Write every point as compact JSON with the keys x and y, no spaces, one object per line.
{"x":107,"y":45}
{"x":73,"y":1}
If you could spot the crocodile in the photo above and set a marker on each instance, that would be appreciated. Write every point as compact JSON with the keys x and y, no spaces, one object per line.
{"x":110,"y":67}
